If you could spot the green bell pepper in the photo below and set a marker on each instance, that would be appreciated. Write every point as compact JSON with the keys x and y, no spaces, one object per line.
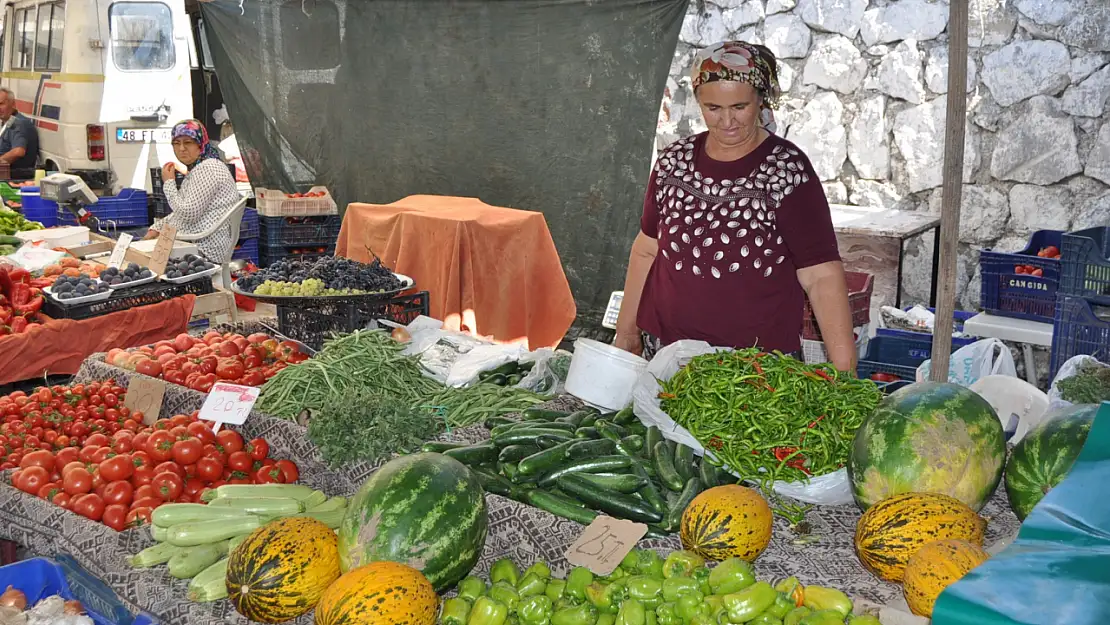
{"x":824,"y":617}
{"x":782,"y":606}
{"x":731,"y":576}
{"x":691,"y":603}
{"x":539,"y":568}
{"x":607,"y":597}
{"x":681,"y":563}
{"x":506,"y":593}
{"x":536,"y":610}
{"x":765,"y":619}
{"x":677,"y":585}
{"x":630,"y":561}
{"x":531,"y":585}
{"x":618,"y":573}
{"x":667,"y":614}
{"x":649,"y":618}
{"x":745,"y":605}
{"x":819,"y":598}
{"x":579,"y":578}
{"x":456,"y":611}
{"x":555,"y":588}
{"x":584,"y":614}
{"x":565,"y":602}
{"x":504,"y":570}
{"x":864,"y":619}
{"x":650,"y":564}
{"x":632,"y":612}
{"x":795,"y":616}
{"x":644,"y":588}
{"x":471,"y":588}
{"x":716,"y":603}
{"x":606,"y":619}
{"x":792,"y":588}
{"x":701,"y":576}
{"x":488,"y":611}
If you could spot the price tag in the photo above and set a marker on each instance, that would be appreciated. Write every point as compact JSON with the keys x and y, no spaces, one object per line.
{"x":604,"y":543}
{"x":229,"y":403}
{"x":116,"y":259}
{"x":145,"y":395}
{"x":162,"y":249}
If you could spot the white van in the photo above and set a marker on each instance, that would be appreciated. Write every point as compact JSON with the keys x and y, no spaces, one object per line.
{"x":104,"y":80}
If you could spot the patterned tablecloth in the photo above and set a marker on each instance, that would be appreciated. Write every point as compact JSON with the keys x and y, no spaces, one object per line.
{"x":521,"y":532}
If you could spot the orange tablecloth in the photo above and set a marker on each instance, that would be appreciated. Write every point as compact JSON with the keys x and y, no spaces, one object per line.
{"x":59,"y":346}
{"x":489,"y":270}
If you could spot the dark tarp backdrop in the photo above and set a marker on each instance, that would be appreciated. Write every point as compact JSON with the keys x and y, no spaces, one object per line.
{"x":549,"y":106}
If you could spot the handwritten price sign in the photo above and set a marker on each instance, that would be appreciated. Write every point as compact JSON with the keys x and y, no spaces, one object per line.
{"x":604,"y":543}
{"x":162,"y":249}
{"x":145,"y":395}
{"x":229,"y":403}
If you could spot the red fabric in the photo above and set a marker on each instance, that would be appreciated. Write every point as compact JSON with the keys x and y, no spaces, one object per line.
{"x":732,"y":236}
{"x":59,"y":346}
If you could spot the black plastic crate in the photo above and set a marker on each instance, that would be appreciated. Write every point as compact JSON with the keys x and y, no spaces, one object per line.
{"x":267,"y":254}
{"x":312,"y":326}
{"x":311,"y":230}
{"x":124,"y":299}
{"x":1086,"y":264}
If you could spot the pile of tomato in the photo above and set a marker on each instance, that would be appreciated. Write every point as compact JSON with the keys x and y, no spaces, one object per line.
{"x":81,"y":449}
{"x":200,"y":362}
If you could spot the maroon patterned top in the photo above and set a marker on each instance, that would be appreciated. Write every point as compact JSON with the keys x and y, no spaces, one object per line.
{"x":731,"y":237}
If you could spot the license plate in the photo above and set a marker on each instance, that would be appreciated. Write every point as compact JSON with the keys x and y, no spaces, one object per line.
{"x":142,"y":135}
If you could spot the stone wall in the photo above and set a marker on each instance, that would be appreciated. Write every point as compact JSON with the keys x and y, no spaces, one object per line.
{"x":864,"y":84}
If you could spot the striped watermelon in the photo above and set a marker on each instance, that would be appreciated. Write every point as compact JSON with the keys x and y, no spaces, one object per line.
{"x":1041,"y":460}
{"x":928,"y":438}
{"x":426,"y":511}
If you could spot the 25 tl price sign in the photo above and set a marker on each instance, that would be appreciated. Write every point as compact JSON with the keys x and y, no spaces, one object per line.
{"x":604,"y":543}
{"x":229,"y":403}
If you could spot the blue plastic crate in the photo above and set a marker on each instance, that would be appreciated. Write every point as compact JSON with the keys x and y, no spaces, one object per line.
{"x":39,"y":578}
{"x":246,"y":250}
{"x":249,"y":227}
{"x":910,"y":344}
{"x":887,"y":354}
{"x":1086,"y":262}
{"x":267,"y":254}
{"x":126,"y":210}
{"x":313,"y":230}
{"x":1008,"y":293}
{"x":1080,"y":327}
{"x":37,"y":209}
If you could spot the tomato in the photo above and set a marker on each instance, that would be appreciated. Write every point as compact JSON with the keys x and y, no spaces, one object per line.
{"x":884,"y":377}
{"x":258,"y":449}
{"x":90,"y":506}
{"x":254,"y":377}
{"x":178,"y":432}
{"x":230,"y":440}
{"x":116,"y":468}
{"x":137,"y":517}
{"x":193,"y":486}
{"x":142,"y":476}
{"x":160,"y":446}
{"x":216,"y":452}
{"x":209,"y":469}
{"x":269,"y":475}
{"x":123,"y":445}
{"x":141,"y":459}
{"x":227,"y":348}
{"x":201,"y":431}
{"x":230,"y":369}
{"x":169,"y":466}
{"x":115,"y":516}
{"x":286,"y":349}
{"x":64,"y":457}
{"x":101,"y":454}
{"x":182,"y":342}
{"x":168,"y":486}
{"x":77,"y":481}
{"x":239,"y":461}
{"x":48,"y":490}
{"x":31,"y":479}
{"x":40,"y":458}
{"x":187,"y":451}
{"x":119,"y":492}
{"x":147,"y":502}
{"x":98,"y":440}
{"x":207,"y":364}
{"x":289,"y":468}
{"x":50,"y":437}
{"x":61,"y":499}
{"x":179,"y":420}
{"x":258,"y":337}
{"x":63,"y":441}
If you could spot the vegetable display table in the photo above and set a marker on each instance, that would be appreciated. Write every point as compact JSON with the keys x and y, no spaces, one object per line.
{"x":493,"y":271}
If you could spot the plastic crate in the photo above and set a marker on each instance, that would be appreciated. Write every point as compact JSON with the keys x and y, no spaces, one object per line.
{"x":860,"y":286}
{"x":124,"y":299}
{"x":37,"y":209}
{"x":39,"y":578}
{"x":814,"y":352}
{"x":314,"y":230}
{"x":1023,"y":296}
{"x":268,"y":254}
{"x":896,"y":362}
{"x":273,"y":203}
{"x":312,"y":326}
{"x":249,"y":227}
{"x":1086,"y":270}
{"x":128,"y":209}
{"x":246,"y":250}
{"x":910,"y":344}
{"x":1080,"y":327}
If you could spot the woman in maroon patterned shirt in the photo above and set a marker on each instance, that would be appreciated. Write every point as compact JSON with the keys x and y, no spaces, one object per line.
{"x":736,"y":228}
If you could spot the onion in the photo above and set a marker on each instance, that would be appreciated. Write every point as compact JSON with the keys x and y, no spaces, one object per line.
{"x":13,"y":598}
{"x":401,"y":335}
{"x":74,"y":606}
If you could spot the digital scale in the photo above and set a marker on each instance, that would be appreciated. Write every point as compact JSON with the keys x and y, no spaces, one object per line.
{"x":613,"y":310}
{"x":71,"y":192}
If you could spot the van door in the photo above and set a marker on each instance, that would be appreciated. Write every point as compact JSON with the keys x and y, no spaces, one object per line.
{"x":146,"y":84}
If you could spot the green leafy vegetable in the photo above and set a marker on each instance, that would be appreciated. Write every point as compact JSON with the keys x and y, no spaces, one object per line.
{"x":1089,"y":385}
{"x":363,"y":425}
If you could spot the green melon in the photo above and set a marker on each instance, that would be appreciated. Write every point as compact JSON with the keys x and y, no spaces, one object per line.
{"x":426,"y":511}
{"x":928,"y":438}
{"x":1041,"y":460}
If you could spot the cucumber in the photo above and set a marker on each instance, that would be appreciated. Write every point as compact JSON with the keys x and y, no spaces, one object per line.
{"x":591,"y":449}
{"x":574,"y":418}
{"x":587,"y":433}
{"x":684,"y":462}
{"x":621,"y":483}
{"x":651,"y":437}
{"x":170,"y":514}
{"x":208,"y":532}
{"x":541,"y":462}
{"x":511,"y":471}
{"x":474,"y":454}
{"x":599,"y":464}
{"x":334,"y":503}
{"x":493,"y":422}
{"x":192,"y":561}
{"x":547,"y":442}
{"x":689,"y":491}
{"x":613,"y":503}
{"x":539,"y":414}
{"x":649,"y":492}
{"x":492,"y":482}
{"x":526,"y":436}
{"x":501,"y":429}
{"x":439,"y":447}
{"x":210,"y":584}
{"x":707,"y":473}
{"x":290,"y":491}
{"x":589,"y":420}
{"x":158,"y":533}
{"x":634,"y":442}
{"x":331,"y":518}
{"x":664,"y":467}
{"x":153,"y":556}
{"x":656,"y":531}
{"x":560,"y":505}
{"x":266,"y":506}
{"x":609,"y":430}
{"x":626,"y":416}
{"x":516,"y":453}
{"x":636,"y":428}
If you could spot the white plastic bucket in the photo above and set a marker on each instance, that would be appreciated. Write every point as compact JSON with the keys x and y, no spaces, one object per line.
{"x":603,"y":375}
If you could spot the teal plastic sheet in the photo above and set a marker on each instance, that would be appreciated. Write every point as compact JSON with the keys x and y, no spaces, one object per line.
{"x":1057,"y":571}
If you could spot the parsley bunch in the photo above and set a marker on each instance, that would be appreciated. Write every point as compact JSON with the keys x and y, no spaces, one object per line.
{"x":368,"y":426}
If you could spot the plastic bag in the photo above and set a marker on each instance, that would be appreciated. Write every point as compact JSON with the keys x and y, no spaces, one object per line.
{"x":1020,"y":406}
{"x":831,"y":489}
{"x":1070,"y":367}
{"x":972,"y":362}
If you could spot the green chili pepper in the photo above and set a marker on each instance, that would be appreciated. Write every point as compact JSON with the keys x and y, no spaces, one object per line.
{"x":471,"y":588}
{"x":539,"y":568}
{"x":644,"y":588}
{"x":504,"y":592}
{"x":531,"y":585}
{"x":681,"y":563}
{"x":666,"y":614}
{"x":504,"y":570}
{"x":675,"y":586}
{"x":783,"y":605}
{"x":824,"y":617}
{"x":584,"y":614}
{"x":745,"y":605}
{"x":535,"y":610}
{"x":691,"y":603}
{"x":731,"y":576}
{"x":795,"y":616}
{"x":632,"y":612}
{"x":579,"y":578}
{"x":864,"y":619}
{"x":456,"y":611}
{"x":819,"y":598}
{"x":488,"y":611}
{"x":555,"y":588}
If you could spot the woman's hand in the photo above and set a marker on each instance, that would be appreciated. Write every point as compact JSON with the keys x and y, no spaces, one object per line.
{"x":631,"y":343}
{"x":151,"y":234}
{"x":169,"y":170}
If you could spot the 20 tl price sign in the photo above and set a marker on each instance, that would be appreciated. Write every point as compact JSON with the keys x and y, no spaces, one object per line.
{"x":229,"y":403}
{"x":604,"y":543}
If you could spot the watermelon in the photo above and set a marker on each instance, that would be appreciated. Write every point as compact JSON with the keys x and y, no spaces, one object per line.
{"x":426,"y":511}
{"x":1046,"y":454}
{"x":928,"y":438}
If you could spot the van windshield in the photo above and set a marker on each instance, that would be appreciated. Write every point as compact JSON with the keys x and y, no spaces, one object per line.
{"x":142,"y":36}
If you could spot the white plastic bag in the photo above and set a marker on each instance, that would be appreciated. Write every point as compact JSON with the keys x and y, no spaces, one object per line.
{"x":1020,"y":406}
{"x":831,"y":489}
{"x":1070,"y":367}
{"x":972,"y":362}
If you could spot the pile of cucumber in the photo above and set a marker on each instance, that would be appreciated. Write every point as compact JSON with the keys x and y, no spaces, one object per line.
{"x":195,"y":539}
{"x":508,"y":374}
{"x":579,"y":464}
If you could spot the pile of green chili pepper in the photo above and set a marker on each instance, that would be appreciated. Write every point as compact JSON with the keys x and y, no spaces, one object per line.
{"x":769,"y":417}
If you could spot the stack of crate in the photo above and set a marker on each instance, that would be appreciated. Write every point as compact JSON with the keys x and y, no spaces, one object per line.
{"x":1081,"y":324}
{"x":304,"y":225}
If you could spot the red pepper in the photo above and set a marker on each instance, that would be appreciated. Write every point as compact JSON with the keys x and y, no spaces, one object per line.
{"x":21,"y":294}
{"x":666,"y":396}
{"x":19,"y":324}
{"x":31,"y":307}
{"x":19,"y":275}
{"x":758,"y":369}
{"x":716,"y":443}
{"x":5,"y":315}
{"x":816,"y":421}
{"x":824,"y":375}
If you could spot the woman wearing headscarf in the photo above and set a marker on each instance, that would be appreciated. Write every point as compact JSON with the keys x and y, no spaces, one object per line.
{"x":205,"y":194}
{"x":736,"y":229}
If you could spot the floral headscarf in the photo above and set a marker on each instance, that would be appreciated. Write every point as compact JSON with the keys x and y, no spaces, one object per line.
{"x":193,"y":129}
{"x":741,"y":62}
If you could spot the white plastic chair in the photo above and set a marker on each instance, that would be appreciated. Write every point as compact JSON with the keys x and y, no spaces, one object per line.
{"x":1013,"y":398}
{"x":234,"y":218}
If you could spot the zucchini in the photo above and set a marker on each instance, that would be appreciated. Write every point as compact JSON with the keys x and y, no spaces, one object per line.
{"x":591,"y":449}
{"x":634,"y":442}
{"x":656,"y":531}
{"x":492,"y":482}
{"x":707,"y":473}
{"x":266,"y":506}
{"x":539,"y":414}
{"x":158,"y":533}
{"x":209,"y":532}
{"x":664,"y":467}
{"x":511,"y":470}
{"x":560,"y":505}
{"x":525,"y":436}
{"x":439,"y":447}
{"x":474,"y":454}
{"x":621,"y":483}
{"x":496,"y":379}
{"x":501,"y":429}
{"x":546,"y":441}
{"x":589,"y":420}
{"x":553,"y":425}
{"x":513,"y":380}
{"x":192,"y":561}
{"x":331,"y":518}
{"x":587,"y":433}
{"x":334,"y":503}
{"x":626,"y":416}
{"x":609,"y":430}
{"x":492,"y":422}
{"x":651,"y":437}
{"x":516,"y":453}
{"x":613,"y":503}
{"x":689,"y":491}
{"x":170,"y":514}
{"x":649,"y":492}
{"x":153,"y":556}
{"x":541,"y":462}
{"x":210,"y":584}
{"x":316,"y":498}
{"x":290,"y":491}
{"x":574,"y":418}
{"x":636,"y":428}
{"x":235,"y":542}
{"x":684,"y":462}
{"x":600,"y":464}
